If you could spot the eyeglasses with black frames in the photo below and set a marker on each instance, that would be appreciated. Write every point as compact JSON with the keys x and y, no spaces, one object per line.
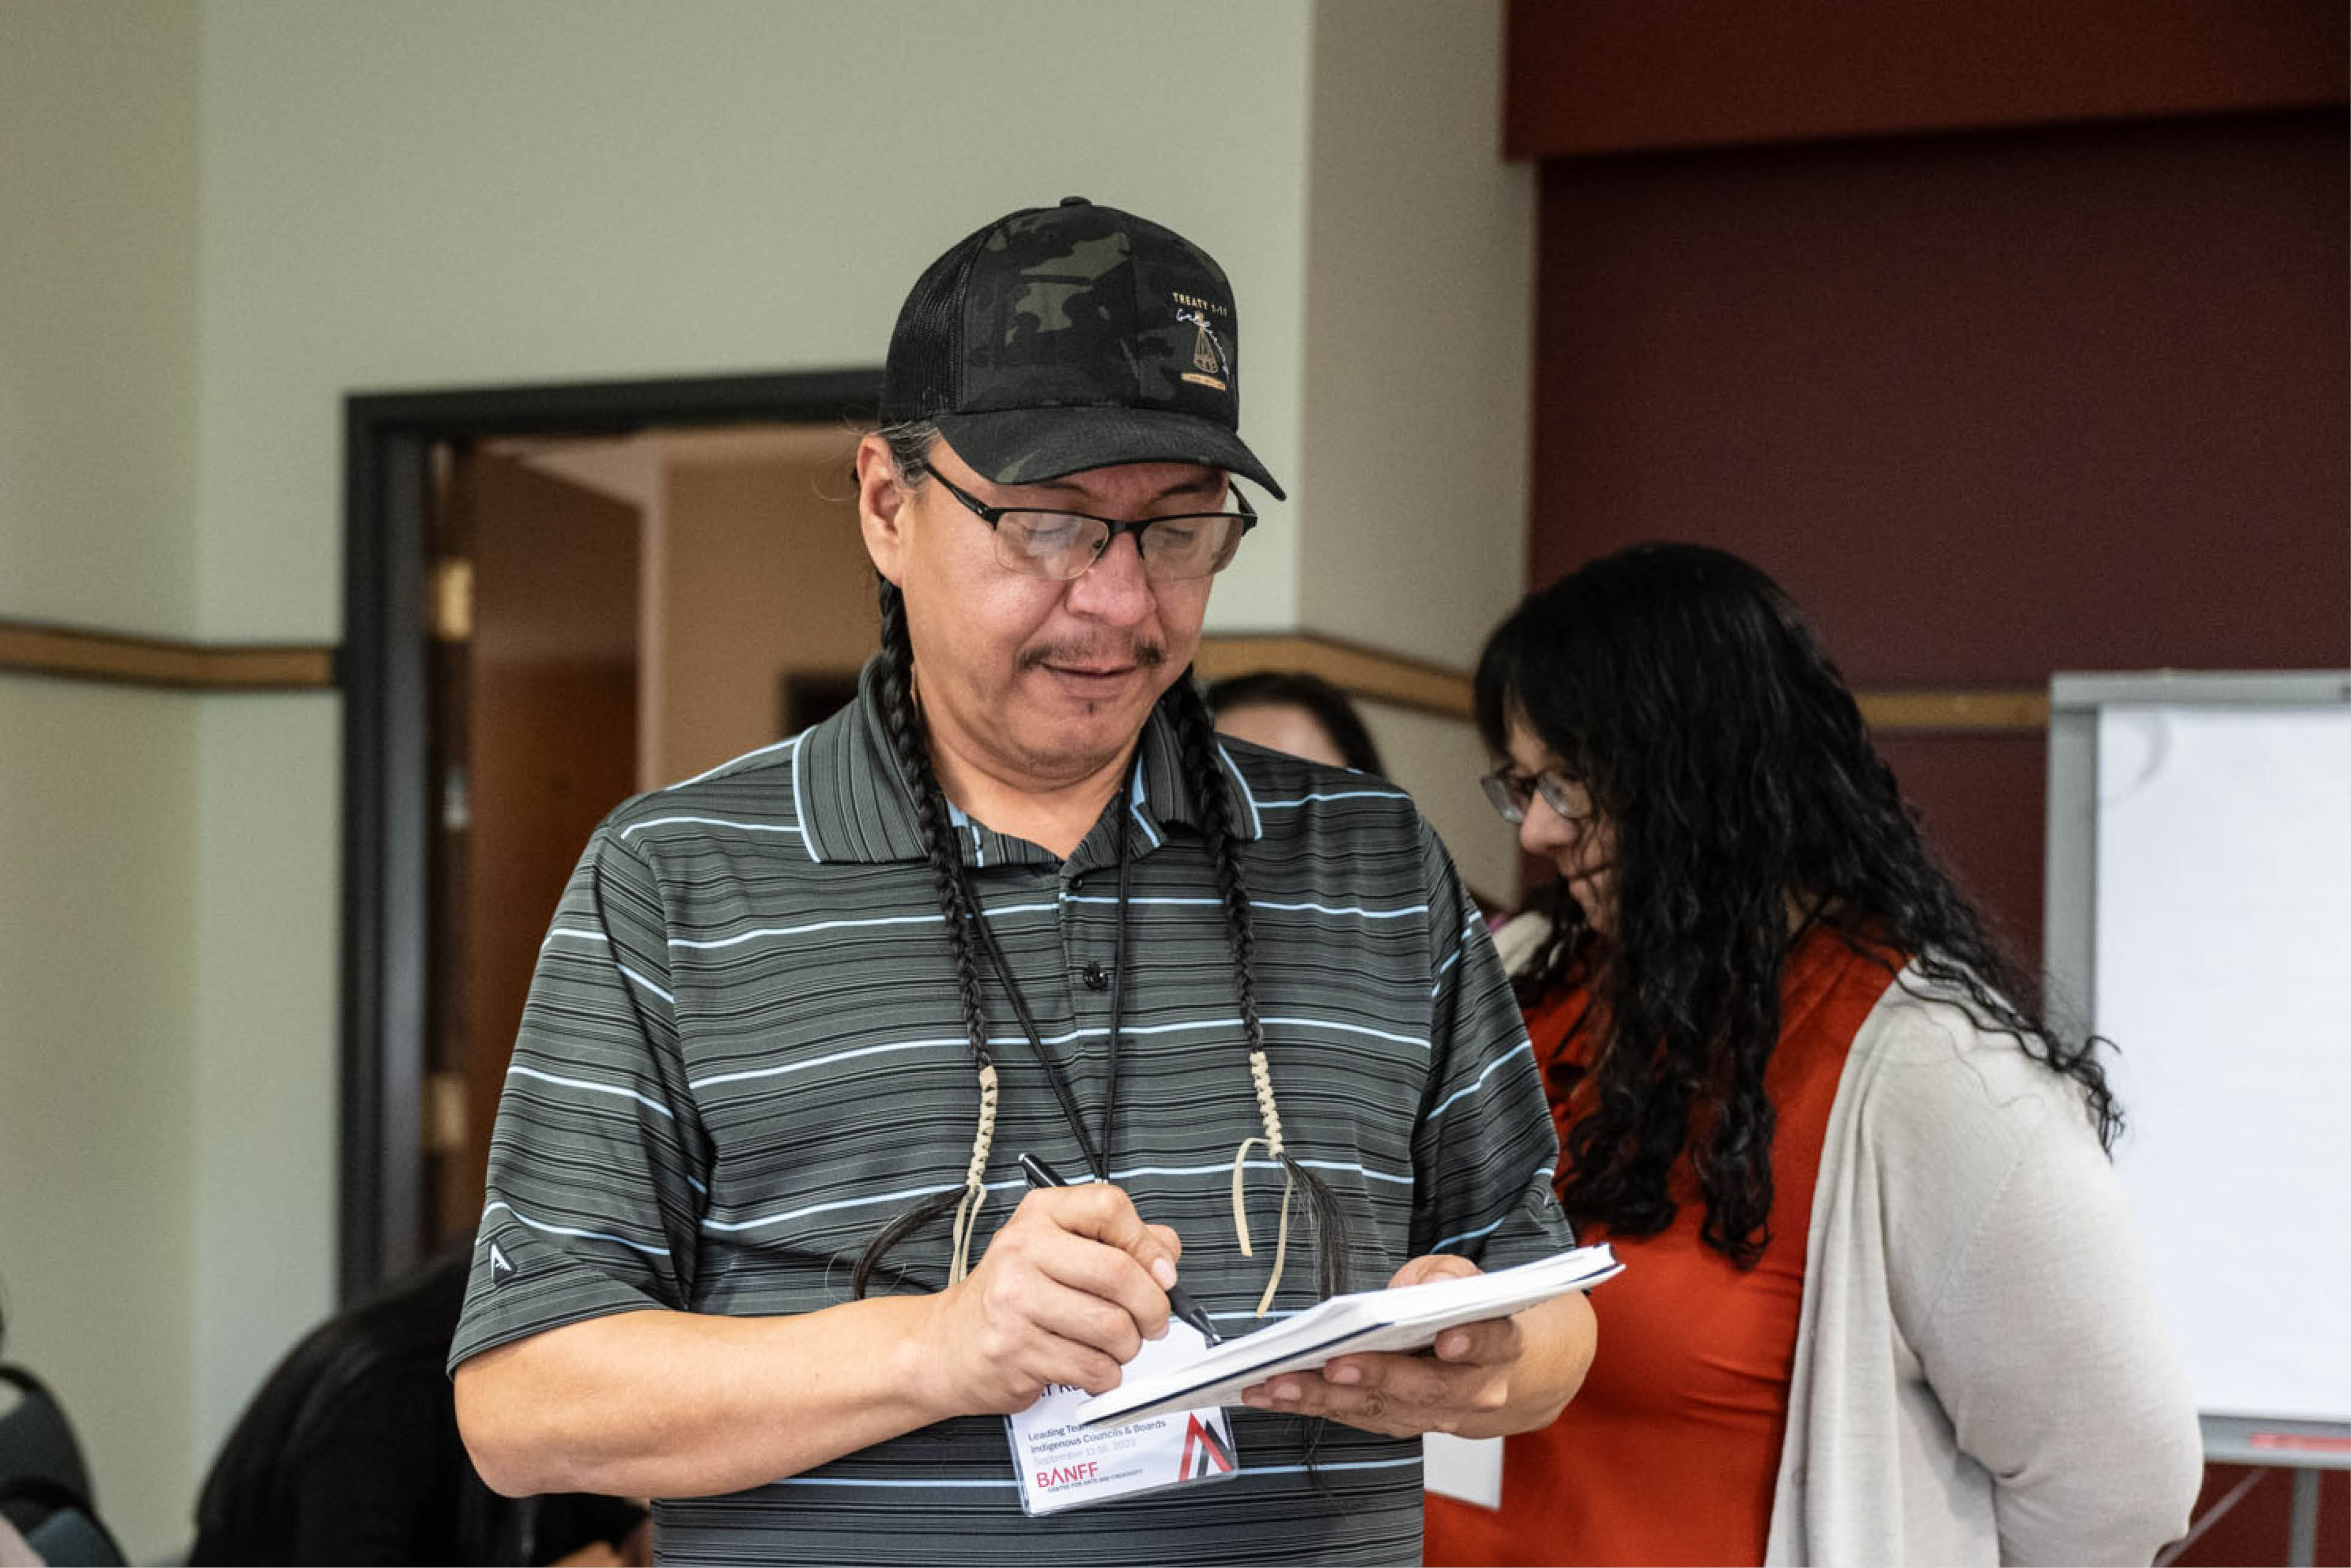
{"x":1059,"y":545}
{"x":1508,"y":791}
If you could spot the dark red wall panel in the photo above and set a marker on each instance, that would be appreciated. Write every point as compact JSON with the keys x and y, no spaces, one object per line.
{"x":1989,"y":405}
{"x":1980,"y":796}
{"x":1612,"y":75}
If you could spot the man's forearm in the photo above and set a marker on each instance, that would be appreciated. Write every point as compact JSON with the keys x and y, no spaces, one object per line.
{"x":662,"y":1404}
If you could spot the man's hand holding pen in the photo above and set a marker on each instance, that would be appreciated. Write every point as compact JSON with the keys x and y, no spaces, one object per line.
{"x":1066,"y":1292}
{"x":1179,"y":1300}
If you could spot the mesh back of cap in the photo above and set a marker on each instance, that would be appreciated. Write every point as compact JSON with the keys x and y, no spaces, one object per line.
{"x":922,"y":377}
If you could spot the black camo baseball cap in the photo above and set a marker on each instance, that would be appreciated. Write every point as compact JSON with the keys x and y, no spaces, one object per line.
{"x":1061,"y":339}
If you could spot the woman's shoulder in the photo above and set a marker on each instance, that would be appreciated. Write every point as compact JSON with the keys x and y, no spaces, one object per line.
{"x":1938,"y":1111}
{"x":1928,"y":1058}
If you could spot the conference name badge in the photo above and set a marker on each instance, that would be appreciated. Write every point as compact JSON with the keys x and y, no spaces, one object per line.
{"x":1065,"y":1465}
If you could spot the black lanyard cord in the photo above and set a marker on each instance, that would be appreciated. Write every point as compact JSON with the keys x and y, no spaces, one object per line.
{"x":1117,"y":987}
{"x":1097,"y":1154}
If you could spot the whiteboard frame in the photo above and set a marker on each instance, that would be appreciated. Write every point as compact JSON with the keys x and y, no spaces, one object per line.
{"x":2070,"y":935}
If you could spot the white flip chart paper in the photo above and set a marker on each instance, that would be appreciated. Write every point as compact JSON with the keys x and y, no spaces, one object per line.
{"x":2223,"y":973}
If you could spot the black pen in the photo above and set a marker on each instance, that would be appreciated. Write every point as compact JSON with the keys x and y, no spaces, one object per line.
{"x":1179,"y":1300}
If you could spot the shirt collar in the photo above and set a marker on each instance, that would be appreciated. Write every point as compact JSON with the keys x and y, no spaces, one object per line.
{"x":856,"y":806}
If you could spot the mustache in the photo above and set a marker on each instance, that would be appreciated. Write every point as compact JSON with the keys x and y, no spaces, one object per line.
{"x":1138,"y":651}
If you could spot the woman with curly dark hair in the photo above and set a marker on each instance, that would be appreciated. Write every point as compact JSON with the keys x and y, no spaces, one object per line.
{"x":1882,"y":1300}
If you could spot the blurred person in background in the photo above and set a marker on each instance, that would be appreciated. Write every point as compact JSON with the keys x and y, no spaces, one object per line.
{"x":349,"y":1454}
{"x":47,"y":1515}
{"x":1305,"y":715}
{"x":14,"y":1551}
{"x":1293,"y":711}
{"x":1883,"y":1302}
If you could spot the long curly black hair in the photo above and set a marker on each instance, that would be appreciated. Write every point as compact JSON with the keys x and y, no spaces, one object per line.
{"x":1723,"y":749}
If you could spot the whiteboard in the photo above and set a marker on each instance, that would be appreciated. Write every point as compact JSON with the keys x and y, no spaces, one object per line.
{"x":2219,"y":959}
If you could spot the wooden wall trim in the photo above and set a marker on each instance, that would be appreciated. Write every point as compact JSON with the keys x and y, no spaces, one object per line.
{"x":1354,"y":669}
{"x":1955,"y":710}
{"x":76,"y":653}
{"x":73,"y":653}
{"x":1376,"y":676}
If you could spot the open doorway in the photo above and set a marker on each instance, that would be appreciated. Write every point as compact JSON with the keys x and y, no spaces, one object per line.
{"x":534,"y":678}
{"x":613,"y":614}
{"x":555,"y":597}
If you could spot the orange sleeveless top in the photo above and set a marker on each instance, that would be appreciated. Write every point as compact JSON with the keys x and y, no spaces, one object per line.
{"x":1669,"y":1452}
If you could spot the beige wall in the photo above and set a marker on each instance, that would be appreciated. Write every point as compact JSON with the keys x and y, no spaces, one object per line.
{"x":97,"y":330}
{"x":98,"y":786}
{"x":437,"y":195}
{"x":262,"y":1096}
{"x":1413,"y":423}
{"x":1420,"y":247}
{"x":98,"y":961}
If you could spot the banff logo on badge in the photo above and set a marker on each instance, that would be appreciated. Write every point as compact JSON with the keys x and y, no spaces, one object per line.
{"x":1207,"y":1448}
{"x":1065,"y":1465}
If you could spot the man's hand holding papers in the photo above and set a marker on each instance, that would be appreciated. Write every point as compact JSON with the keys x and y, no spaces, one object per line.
{"x":1432,"y":1353}
{"x":1405,"y":1395}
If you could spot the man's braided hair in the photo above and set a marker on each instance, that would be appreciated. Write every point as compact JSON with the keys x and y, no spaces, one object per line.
{"x":910,"y":446}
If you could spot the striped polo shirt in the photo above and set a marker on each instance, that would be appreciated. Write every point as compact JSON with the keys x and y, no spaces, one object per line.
{"x":742,"y":1056}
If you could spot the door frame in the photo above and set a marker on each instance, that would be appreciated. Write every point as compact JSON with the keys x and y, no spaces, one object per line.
{"x":388,"y":441}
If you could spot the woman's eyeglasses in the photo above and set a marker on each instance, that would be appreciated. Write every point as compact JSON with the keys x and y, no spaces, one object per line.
{"x":1509,"y":790}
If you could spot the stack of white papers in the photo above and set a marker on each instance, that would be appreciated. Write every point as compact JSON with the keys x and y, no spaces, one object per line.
{"x":1406,"y":1319}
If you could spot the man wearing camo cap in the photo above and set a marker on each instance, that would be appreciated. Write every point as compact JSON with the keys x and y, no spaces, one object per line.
{"x":760,"y":1243}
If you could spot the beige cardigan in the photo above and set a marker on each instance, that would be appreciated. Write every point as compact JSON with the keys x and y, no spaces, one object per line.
{"x":1979,"y":1375}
